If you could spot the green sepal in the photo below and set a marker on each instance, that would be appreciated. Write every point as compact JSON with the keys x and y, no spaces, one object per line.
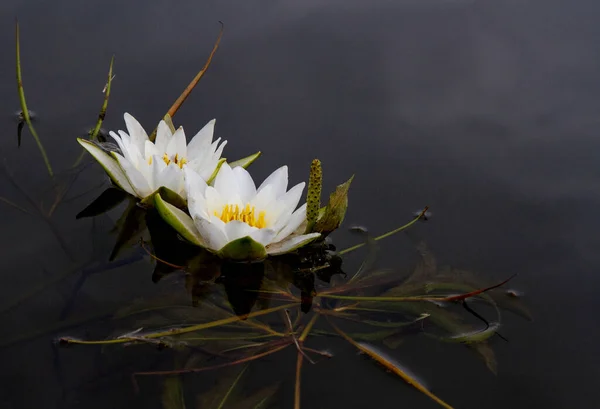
{"x":167,"y":195}
{"x":243,"y":249}
{"x":245,"y":162}
{"x":178,"y":219}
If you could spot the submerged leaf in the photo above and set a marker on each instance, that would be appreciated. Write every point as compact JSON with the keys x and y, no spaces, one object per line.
{"x":223,"y":392}
{"x":172,"y":395}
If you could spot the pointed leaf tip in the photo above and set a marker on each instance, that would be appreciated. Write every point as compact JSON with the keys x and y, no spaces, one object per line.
{"x":334,"y":213}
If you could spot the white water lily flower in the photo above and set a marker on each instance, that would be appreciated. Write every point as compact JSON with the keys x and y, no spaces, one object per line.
{"x":238,"y":221}
{"x":143,"y":166}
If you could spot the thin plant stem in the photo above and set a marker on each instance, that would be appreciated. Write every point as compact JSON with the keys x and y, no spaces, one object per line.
{"x":94,"y":133}
{"x":26,"y":116}
{"x":390,"y":366}
{"x":188,"y":90}
{"x":179,"y":331}
{"x":388,"y":234}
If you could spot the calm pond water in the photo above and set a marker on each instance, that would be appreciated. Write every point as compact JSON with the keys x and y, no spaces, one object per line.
{"x":486,"y":111}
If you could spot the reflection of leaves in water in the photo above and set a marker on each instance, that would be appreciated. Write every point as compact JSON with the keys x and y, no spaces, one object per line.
{"x":375,"y":306}
{"x":109,"y":199}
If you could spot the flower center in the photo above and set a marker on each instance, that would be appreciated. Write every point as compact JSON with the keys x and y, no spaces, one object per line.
{"x":246,"y":215}
{"x":177,"y":160}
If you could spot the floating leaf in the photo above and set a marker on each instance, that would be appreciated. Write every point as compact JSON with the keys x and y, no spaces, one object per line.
{"x":335,"y":211}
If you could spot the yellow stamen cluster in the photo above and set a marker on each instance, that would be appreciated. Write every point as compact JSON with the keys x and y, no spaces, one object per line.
{"x":246,"y":215}
{"x":177,"y":160}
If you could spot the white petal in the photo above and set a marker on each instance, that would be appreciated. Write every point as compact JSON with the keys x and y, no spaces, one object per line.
{"x":122,"y":145}
{"x":226,"y":183}
{"x":293,"y":223}
{"x":236,"y":229}
{"x":163,"y":136}
{"x":291,"y":244}
{"x":245,"y":184}
{"x":136,"y":178}
{"x":109,"y":164}
{"x":157,"y":167}
{"x":211,"y":234}
{"x":151,"y":150}
{"x":277,"y":179}
{"x":263,"y":198}
{"x":285,"y":206}
{"x":201,"y":141}
{"x":171,"y":178}
{"x":214,"y":200}
{"x":263,"y":236}
{"x":194,"y":184}
{"x":177,"y":144}
{"x":136,"y":132}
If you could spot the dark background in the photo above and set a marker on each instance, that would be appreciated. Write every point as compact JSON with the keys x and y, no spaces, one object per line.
{"x":487,"y":111}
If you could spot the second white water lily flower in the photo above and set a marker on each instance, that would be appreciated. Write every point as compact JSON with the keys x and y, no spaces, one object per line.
{"x":142,"y":166}
{"x":238,"y":221}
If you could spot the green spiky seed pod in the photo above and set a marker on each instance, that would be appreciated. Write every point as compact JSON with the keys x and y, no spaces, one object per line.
{"x":313,"y":199}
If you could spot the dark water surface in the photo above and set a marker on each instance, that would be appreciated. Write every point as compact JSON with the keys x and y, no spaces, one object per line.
{"x":487,"y":111}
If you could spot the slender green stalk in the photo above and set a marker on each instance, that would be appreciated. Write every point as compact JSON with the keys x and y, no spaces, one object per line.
{"x":388,"y":234}
{"x":26,"y":116}
{"x":232,"y":387}
{"x":179,"y":331}
{"x":94,"y":133}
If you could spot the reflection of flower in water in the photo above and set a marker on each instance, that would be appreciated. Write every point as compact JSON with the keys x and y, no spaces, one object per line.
{"x":140,"y":166}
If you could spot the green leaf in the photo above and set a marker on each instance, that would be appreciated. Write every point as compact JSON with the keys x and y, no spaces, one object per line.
{"x":178,"y":219}
{"x":335,"y":211}
{"x":243,"y":249}
{"x":245,"y":162}
{"x":167,"y":195}
{"x":24,"y":110}
{"x":313,"y":197}
{"x":109,"y":199}
{"x":172,"y":395}
{"x":109,"y":164}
